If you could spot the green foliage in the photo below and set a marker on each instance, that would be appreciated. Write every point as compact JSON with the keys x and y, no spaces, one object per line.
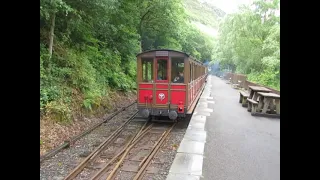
{"x":196,"y":43}
{"x":59,"y":110}
{"x":250,"y":43}
{"x":267,"y":77}
{"x":204,"y":13}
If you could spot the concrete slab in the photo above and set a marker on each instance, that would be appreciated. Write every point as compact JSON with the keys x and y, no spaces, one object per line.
{"x":198,"y":118}
{"x":206,"y":110}
{"x":203,"y":103}
{"x":173,"y":176}
{"x":195,"y":135}
{"x":192,"y":147}
{"x":201,"y":106}
{"x":196,"y":126}
{"x":204,"y":113}
{"x":206,"y":93}
{"x":210,"y":102}
{"x":206,"y":98}
{"x":188,"y":164}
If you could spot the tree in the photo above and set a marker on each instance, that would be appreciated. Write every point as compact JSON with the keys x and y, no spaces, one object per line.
{"x":250,"y":42}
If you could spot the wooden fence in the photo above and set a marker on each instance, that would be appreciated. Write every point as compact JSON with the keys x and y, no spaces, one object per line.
{"x":243,"y":82}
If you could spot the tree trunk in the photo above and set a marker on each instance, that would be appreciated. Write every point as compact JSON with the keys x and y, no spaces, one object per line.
{"x":140,"y":44}
{"x":53,"y":20}
{"x":140,"y":27}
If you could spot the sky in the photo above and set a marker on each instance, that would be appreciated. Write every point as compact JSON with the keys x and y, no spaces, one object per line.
{"x":229,"y":6}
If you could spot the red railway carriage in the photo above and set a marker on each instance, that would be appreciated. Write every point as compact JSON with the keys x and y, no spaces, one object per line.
{"x":169,"y":83}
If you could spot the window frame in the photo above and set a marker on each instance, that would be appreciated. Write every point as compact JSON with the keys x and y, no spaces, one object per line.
{"x":156,"y":77}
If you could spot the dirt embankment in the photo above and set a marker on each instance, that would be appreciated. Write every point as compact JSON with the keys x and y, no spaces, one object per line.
{"x":53,"y":134}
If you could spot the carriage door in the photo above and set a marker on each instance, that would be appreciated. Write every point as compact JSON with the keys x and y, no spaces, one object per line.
{"x":161,"y":79}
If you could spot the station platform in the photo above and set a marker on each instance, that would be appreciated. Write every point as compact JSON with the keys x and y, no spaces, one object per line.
{"x":224,"y":142}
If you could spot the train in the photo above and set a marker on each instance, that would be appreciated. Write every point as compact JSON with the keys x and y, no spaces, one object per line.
{"x":169,"y":83}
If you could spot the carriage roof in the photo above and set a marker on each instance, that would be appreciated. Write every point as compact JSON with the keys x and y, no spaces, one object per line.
{"x":170,"y":50}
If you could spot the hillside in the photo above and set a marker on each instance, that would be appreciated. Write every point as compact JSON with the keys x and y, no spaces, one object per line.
{"x":200,"y":12}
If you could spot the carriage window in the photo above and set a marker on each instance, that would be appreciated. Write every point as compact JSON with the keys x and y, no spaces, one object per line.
{"x":147,"y":70}
{"x":177,"y":69}
{"x":162,"y":69}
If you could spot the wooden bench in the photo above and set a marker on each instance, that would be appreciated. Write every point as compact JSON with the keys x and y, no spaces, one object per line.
{"x":243,"y":98}
{"x":268,"y":103}
{"x":252,"y":106}
{"x":229,"y":81}
{"x":236,"y":86}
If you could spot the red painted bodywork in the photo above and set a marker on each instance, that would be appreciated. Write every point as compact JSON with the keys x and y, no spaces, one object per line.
{"x":142,"y":85}
{"x":174,"y":86}
{"x":144,"y":96}
{"x":162,"y":86}
{"x":163,"y":101}
{"x":178,"y":93}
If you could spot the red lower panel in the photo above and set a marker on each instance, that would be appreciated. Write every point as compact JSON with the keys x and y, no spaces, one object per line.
{"x":178,"y":86}
{"x":162,"y":86}
{"x":143,"y":94}
{"x":177,"y":96}
{"x":161,"y":97}
{"x":145,"y":85}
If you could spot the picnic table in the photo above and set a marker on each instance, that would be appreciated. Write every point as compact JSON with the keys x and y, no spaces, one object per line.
{"x":267,"y":101}
{"x":252,"y":94}
{"x":253,"y":90}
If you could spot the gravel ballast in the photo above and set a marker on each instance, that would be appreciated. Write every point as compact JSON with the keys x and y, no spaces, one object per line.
{"x":60,"y":165}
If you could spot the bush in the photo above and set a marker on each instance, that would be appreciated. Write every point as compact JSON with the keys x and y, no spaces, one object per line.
{"x":59,"y":111}
{"x":90,"y":72}
{"x":267,"y":78}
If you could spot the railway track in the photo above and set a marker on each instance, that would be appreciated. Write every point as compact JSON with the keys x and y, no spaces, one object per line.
{"x":129,"y":150}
